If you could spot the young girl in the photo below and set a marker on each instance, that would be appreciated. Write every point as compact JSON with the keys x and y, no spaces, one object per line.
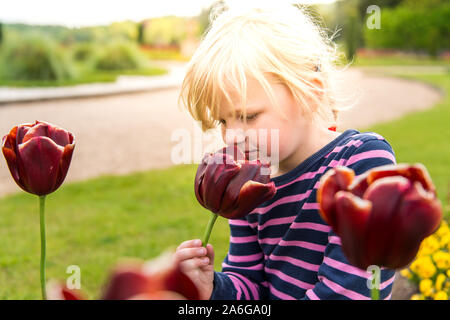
{"x":272,"y":70}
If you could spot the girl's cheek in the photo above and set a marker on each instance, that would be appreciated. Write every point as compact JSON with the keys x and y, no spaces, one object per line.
{"x":273,"y":142}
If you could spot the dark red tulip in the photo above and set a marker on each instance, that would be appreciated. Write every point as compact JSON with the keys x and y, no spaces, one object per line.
{"x":383,"y":215}
{"x":38,"y":156}
{"x":231,"y":186}
{"x":161,"y":279}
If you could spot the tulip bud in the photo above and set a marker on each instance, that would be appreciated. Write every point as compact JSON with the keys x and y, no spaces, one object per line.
{"x":38,"y":156}
{"x":229,"y":185}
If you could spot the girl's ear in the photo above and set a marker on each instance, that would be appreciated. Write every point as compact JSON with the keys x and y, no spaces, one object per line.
{"x":318,"y":84}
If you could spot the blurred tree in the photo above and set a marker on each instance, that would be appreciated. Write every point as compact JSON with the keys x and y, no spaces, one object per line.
{"x":1,"y":33}
{"x":364,"y":4}
{"x":205,"y":15}
{"x":141,"y":32}
{"x":169,"y":30}
{"x":349,"y":21}
{"x":419,"y":29}
{"x":423,"y":4}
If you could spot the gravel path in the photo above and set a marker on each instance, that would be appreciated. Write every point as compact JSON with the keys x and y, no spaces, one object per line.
{"x":131,"y":132}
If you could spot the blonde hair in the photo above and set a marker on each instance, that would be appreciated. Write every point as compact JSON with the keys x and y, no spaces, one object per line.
{"x":282,"y":43}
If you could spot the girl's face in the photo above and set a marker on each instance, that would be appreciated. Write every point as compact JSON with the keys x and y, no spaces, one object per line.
{"x":267,"y":132}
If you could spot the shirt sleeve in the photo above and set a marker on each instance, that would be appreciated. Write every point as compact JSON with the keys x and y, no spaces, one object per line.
{"x":242,"y":273}
{"x":338,"y":279}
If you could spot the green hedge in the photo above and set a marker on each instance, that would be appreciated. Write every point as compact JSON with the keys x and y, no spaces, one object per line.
{"x":412,"y":28}
{"x":34,"y":58}
{"x":120,"y":56}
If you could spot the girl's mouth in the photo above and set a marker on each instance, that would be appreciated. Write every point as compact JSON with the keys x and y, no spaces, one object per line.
{"x":249,"y":153}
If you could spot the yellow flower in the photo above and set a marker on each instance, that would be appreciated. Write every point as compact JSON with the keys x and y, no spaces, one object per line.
{"x":426,"y":287}
{"x":423,"y":267}
{"x":443,"y":229}
{"x":428,"y":246}
{"x":440,"y":279}
{"x":417,"y":297}
{"x":406,"y":273}
{"x":442,"y":259}
{"x":445,"y":240}
{"x":441,"y":295}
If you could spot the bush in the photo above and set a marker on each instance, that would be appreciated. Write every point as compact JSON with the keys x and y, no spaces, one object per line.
{"x":34,"y":58}
{"x":412,"y":28}
{"x":83,"y":52}
{"x":120,"y":56}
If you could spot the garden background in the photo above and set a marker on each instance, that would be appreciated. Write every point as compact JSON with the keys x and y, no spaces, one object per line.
{"x":112,"y":211}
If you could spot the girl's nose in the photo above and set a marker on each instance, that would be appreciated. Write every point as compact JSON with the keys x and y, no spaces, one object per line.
{"x":235,"y":136}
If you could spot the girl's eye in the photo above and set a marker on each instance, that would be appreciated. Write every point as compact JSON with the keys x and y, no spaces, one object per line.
{"x":222,"y":121}
{"x":250,"y":117}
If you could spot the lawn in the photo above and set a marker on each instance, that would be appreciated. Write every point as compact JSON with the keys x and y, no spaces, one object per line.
{"x":400,"y":61}
{"x":94,"y":223}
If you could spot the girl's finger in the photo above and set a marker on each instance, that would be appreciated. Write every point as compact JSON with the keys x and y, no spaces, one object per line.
{"x":190,"y":244}
{"x":189,"y":253}
{"x":191,"y":264}
{"x":210,"y":252}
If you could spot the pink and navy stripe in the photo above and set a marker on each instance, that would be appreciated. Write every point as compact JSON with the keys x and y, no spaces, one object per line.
{"x":284,"y":250}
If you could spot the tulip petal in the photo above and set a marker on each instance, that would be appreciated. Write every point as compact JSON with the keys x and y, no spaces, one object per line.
{"x":38,"y":164}
{"x":199,"y":176}
{"x":246,"y":173}
{"x":415,"y":172}
{"x":386,"y":196}
{"x":11,"y":159}
{"x":233,"y":152}
{"x":359,"y":185}
{"x":64,"y":164}
{"x":159,"y":295}
{"x":38,"y":130}
{"x":125,"y":282}
{"x":259,"y":176}
{"x":353,"y":214}
{"x":179,"y":282}
{"x":419,"y":215}
{"x":218,"y":174}
{"x":332,"y":181}
{"x":60,"y":136}
{"x":59,"y":291}
{"x":251,"y":195}
{"x":22,"y":130}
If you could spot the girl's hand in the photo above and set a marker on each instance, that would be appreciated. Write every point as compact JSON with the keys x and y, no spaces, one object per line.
{"x":198,"y":263}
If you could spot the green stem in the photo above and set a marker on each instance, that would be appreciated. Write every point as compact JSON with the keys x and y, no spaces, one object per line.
{"x":209,"y":227}
{"x":375,"y":291}
{"x":43,"y":245}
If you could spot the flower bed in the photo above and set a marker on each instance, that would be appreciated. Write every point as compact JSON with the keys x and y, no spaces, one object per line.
{"x":431,"y":268}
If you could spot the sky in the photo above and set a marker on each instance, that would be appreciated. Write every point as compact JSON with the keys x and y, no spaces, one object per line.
{"x":78,"y":13}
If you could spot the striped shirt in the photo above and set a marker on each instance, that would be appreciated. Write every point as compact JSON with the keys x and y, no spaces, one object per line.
{"x":284,"y":250}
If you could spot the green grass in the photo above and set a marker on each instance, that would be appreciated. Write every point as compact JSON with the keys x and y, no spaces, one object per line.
{"x":400,"y":61}
{"x":94,"y":223}
{"x":87,"y":77}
